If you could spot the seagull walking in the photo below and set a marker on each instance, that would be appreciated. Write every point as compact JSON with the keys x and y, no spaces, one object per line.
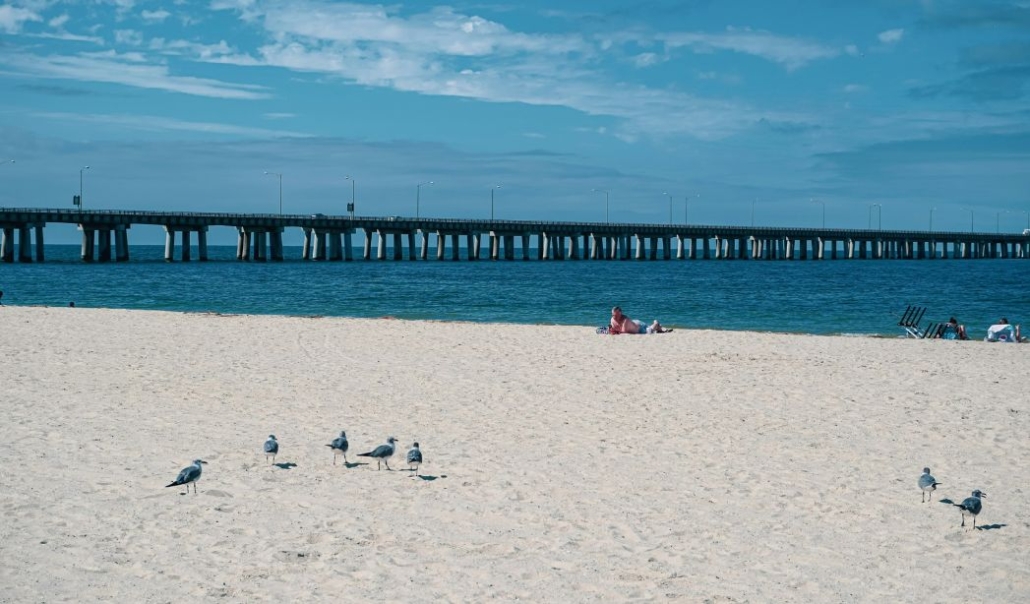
{"x":971,"y":506}
{"x":189,"y":474}
{"x":414,"y":458}
{"x":927,"y":484}
{"x":339,"y":445}
{"x":271,"y":447}
{"x":382,"y":453}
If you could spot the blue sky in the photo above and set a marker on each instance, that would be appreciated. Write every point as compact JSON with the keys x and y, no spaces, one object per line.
{"x":741,"y":105}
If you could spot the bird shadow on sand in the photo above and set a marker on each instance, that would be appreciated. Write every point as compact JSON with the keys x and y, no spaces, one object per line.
{"x":286,"y":465}
{"x":990,"y":527}
{"x":429,"y":478}
{"x":946,"y":501}
{"x":353,"y":464}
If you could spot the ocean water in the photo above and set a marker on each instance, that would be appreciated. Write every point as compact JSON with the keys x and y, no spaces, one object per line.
{"x":818,"y":297}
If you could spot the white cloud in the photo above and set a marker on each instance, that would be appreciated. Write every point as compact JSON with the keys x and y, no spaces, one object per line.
{"x":645,"y":59}
{"x":851,"y":50}
{"x":156,"y":16}
{"x":444,"y":53}
{"x":67,"y":37}
{"x":12,"y":18}
{"x":792,"y":53}
{"x":128,"y":70}
{"x":854,"y":88}
{"x":279,"y":116}
{"x":891,"y":36}
{"x":203,"y":52}
{"x":156,"y":123}
{"x":128,"y":36}
{"x":58,"y":22}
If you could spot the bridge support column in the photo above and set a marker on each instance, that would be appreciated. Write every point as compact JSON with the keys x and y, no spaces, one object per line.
{"x":495,"y":246}
{"x":381,"y":246}
{"x":398,"y":247}
{"x":305,"y":251}
{"x":509,"y":247}
{"x":348,"y":247}
{"x":260,"y":245}
{"x":471,"y":246}
{"x":335,"y":246}
{"x":39,"y":243}
{"x":412,"y":253}
{"x":441,"y":245}
{"x":639,"y":252}
{"x":24,"y":244}
{"x":202,"y":244}
{"x":366,"y":252}
{"x":525,"y":247}
{"x":423,"y":251}
{"x":7,"y":245}
{"x":169,"y":244}
{"x":455,"y":246}
{"x":185,"y":245}
{"x":104,"y":243}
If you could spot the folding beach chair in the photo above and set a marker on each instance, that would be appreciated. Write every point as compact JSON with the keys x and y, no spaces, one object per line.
{"x":910,"y":321}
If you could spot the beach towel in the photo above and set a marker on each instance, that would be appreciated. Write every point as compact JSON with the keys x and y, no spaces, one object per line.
{"x":1002,"y":332}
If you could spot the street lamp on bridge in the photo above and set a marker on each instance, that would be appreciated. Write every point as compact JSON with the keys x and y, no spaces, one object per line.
{"x":83,"y":168}
{"x":492,"y":189}
{"x":279,"y":174}
{"x":824,"y":210}
{"x":605,"y":191}
{"x":418,"y":195}
{"x":970,"y":210}
{"x":353,"y":186}
{"x":670,"y":206}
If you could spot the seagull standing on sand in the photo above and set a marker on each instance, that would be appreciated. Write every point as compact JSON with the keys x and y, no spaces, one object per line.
{"x":927,"y":484}
{"x":339,"y":445}
{"x":382,"y":453}
{"x":414,"y":458}
{"x":971,"y":506}
{"x":271,"y":447}
{"x":187,"y":475}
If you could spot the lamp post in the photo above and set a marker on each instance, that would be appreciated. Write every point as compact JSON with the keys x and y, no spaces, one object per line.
{"x":753,"y":211}
{"x":353,"y":186}
{"x":686,"y":208}
{"x":492,"y":189}
{"x":605,"y":191}
{"x":279,"y":174}
{"x":418,"y":195}
{"x":670,"y":207}
{"x":80,"y":184}
{"x":931,"y":219}
{"x":824,"y":210}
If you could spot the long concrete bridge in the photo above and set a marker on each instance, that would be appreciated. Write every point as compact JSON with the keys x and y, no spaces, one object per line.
{"x":259,"y":238}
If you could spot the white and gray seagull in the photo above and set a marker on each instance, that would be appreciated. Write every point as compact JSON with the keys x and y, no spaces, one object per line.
{"x":414,"y":458}
{"x":271,"y":447}
{"x":382,"y":453}
{"x":971,"y":506}
{"x":927,"y":484}
{"x":339,"y":445}
{"x":189,"y":474}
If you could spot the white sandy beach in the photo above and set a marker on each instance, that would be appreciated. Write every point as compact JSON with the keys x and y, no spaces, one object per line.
{"x":698,"y":466}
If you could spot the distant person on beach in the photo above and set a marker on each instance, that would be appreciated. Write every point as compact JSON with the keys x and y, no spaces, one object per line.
{"x":1003,"y":331}
{"x":1,"y":297}
{"x":954,"y":331}
{"x":71,"y":304}
{"x":620,"y":323}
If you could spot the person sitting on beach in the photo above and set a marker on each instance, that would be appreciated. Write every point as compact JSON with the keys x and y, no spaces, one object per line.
{"x":1003,"y":331}
{"x":620,"y":323}
{"x":954,"y":331}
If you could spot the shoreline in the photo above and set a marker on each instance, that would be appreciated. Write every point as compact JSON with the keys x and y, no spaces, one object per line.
{"x":701,"y":465}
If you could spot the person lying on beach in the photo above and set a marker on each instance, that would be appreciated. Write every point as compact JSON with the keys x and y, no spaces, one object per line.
{"x":954,"y":331}
{"x":620,"y":323}
{"x":1003,"y":331}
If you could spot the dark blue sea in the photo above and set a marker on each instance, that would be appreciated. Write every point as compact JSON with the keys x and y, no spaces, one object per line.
{"x":818,"y":297}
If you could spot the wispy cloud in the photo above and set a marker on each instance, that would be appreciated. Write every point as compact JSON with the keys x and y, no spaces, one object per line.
{"x":279,"y":116}
{"x":155,"y":16}
{"x":156,"y":123}
{"x":891,"y":36}
{"x":792,"y":53}
{"x":12,"y":18}
{"x":129,"y":70}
